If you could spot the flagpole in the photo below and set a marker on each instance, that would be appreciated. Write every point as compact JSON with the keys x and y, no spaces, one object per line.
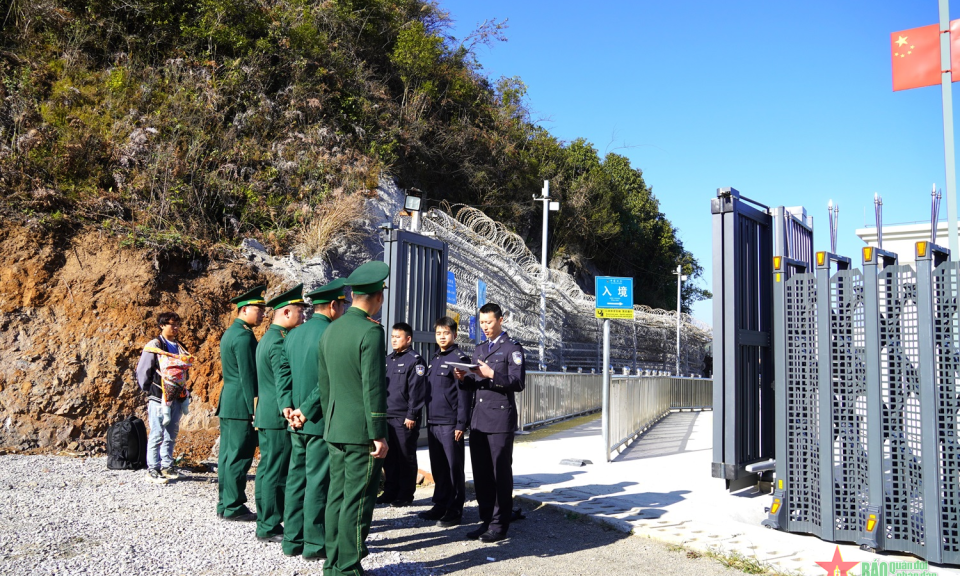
{"x":946,"y":89}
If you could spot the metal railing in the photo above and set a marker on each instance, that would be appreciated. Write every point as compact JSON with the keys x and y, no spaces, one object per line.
{"x":637,"y":403}
{"x":552,"y":396}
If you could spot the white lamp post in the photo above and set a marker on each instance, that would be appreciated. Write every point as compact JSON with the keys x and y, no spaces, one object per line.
{"x":680,"y":279}
{"x":548,"y":207}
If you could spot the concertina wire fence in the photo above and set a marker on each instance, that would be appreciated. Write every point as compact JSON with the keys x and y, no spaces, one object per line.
{"x":481,"y":248}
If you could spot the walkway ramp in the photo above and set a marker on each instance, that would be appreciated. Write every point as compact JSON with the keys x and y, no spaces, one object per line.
{"x":660,"y":487}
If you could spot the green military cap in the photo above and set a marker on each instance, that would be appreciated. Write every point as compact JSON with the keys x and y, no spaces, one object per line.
{"x":328,"y":292}
{"x":252,"y":298}
{"x":291,"y":296}
{"x":368,"y":279}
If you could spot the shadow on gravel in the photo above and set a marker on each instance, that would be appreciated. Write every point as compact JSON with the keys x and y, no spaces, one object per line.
{"x":546,"y":532}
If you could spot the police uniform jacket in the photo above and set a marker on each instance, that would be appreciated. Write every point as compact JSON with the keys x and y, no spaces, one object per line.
{"x":238,"y":361}
{"x":447,"y":403}
{"x":406,"y":384}
{"x":272,"y":369}
{"x":495,"y":409}
{"x":352,"y":379}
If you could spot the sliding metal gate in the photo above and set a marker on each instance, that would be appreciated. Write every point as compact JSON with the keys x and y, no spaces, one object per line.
{"x":744,"y":238}
{"x":867,"y":402}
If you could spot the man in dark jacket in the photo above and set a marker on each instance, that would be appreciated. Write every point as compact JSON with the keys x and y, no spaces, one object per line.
{"x":448,"y":412}
{"x":238,"y":439}
{"x":500,"y":376}
{"x":406,"y":390}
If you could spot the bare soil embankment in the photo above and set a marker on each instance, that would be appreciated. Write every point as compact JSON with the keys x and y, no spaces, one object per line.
{"x":76,"y":309}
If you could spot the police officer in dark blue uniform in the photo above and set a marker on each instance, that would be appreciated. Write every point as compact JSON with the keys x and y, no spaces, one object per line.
{"x":406,"y":393}
{"x":500,"y":376}
{"x":448,"y":413}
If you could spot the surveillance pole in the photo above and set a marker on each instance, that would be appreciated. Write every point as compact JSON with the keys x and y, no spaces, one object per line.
{"x":548,"y":207}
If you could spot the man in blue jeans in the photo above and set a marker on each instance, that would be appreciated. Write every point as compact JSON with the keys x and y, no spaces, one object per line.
{"x":162,"y":436}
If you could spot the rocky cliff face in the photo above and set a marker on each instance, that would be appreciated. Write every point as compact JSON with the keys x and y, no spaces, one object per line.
{"x":75,"y":312}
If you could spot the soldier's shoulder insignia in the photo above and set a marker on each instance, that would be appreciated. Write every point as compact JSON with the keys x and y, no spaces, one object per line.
{"x":517,"y":357}
{"x":374,"y":321}
{"x":420,"y":370}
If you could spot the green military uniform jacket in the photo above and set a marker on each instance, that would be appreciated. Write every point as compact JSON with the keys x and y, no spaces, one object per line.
{"x":238,"y":361}
{"x":271,"y":369}
{"x":352,"y":379}
{"x":300,"y":350}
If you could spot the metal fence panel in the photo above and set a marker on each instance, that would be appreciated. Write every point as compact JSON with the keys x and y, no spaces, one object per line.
{"x":691,"y":393}
{"x":947,"y":334}
{"x":637,"y":403}
{"x":900,"y":414}
{"x":551,"y":396}
{"x":849,"y":409}
{"x":802,"y":426}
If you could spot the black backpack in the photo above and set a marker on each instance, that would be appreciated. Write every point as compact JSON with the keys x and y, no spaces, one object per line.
{"x":127,"y":445}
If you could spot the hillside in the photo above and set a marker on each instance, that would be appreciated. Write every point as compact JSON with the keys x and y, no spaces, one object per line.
{"x":183,"y":126}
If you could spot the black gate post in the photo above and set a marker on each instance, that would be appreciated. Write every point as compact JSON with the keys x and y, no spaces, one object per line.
{"x":417,"y":287}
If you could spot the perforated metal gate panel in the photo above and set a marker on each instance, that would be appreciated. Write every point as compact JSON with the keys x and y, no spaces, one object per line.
{"x":947,"y":340}
{"x":803,"y":423}
{"x":849,"y":411}
{"x":899,"y":388}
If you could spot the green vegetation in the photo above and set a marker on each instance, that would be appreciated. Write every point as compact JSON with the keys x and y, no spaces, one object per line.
{"x":197,"y":122}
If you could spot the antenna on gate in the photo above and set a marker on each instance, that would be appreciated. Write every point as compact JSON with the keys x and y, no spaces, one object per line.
{"x":833,"y":215}
{"x":878,"y":209}
{"x":934,"y":213}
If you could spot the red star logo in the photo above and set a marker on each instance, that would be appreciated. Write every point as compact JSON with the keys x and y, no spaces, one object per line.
{"x":837,"y":567}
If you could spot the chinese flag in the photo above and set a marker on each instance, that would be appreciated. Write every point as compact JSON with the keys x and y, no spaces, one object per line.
{"x":916,"y":57}
{"x":955,"y":49}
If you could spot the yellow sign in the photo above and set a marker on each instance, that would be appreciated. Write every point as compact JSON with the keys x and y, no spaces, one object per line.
{"x":614,"y":313}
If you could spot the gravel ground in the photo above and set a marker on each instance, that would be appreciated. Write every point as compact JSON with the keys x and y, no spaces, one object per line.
{"x":72,"y":516}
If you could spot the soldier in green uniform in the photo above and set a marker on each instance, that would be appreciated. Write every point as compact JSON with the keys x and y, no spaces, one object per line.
{"x":353,"y":392}
{"x":308,"y":476}
{"x":238,"y":439}
{"x":273,"y":409}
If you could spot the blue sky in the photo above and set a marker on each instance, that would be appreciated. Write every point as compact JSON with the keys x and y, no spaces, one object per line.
{"x":789,"y":102}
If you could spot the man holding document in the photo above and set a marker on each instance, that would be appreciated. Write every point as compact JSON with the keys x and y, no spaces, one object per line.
{"x":499,"y":375}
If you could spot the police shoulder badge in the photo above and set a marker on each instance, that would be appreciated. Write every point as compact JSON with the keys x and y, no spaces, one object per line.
{"x":420,"y":370}
{"x":517,"y":358}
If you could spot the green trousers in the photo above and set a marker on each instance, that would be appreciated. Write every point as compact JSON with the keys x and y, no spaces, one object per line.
{"x":271,"y":481}
{"x":238,"y":441}
{"x":354,"y":480}
{"x":306,"y":497}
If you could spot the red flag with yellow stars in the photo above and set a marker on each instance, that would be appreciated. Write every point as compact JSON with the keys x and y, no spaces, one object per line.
{"x":916,"y":57}
{"x":955,"y":49}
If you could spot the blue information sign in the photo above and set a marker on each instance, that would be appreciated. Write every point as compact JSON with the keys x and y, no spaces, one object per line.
{"x":614,"y":297}
{"x":451,"y":288}
{"x":481,"y":300}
